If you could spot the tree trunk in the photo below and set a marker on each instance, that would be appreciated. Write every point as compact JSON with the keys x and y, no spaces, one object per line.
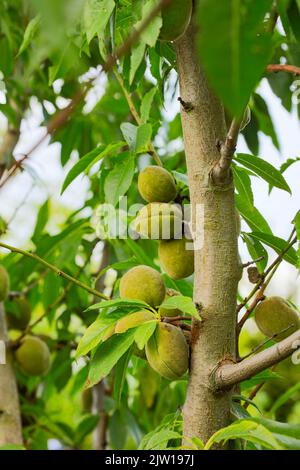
{"x":10,"y":419}
{"x":217,"y":267}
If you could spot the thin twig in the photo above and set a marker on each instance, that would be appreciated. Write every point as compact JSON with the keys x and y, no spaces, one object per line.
{"x":54,"y":269}
{"x":246,"y":265}
{"x":290,"y":243}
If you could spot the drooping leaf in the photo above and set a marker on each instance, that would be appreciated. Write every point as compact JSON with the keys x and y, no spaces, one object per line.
{"x":120,"y":375}
{"x":144,"y":333}
{"x":119,"y":303}
{"x":251,"y":215}
{"x":242,"y":183}
{"x":247,"y":430}
{"x":137,"y":137}
{"x":147,"y":103}
{"x":149,"y":35}
{"x":256,"y":251}
{"x":278,"y":245}
{"x":30,"y":32}
{"x":119,"y":179}
{"x":290,"y":393}
{"x":95,"y":333}
{"x":88,"y":161}
{"x":263,"y":169}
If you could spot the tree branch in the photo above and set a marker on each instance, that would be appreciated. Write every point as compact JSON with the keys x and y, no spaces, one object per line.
{"x":62,"y":117}
{"x":283,"y":68}
{"x":228,"y":375}
{"x":55,"y":269}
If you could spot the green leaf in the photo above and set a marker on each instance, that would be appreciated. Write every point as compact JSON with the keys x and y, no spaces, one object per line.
{"x":289,"y":443}
{"x":238,"y":411}
{"x":88,"y":161}
{"x":242,"y":184}
{"x":81,"y":165}
{"x":248,"y":430}
{"x":6,"y":57}
{"x":252,"y":215}
{"x":120,"y":266}
{"x":297,"y":227}
{"x":259,"y":378}
{"x":96,"y":16}
{"x":139,"y":253}
{"x":107,"y":355}
{"x":263,"y":169}
{"x":256,"y":250}
{"x":282,"y":10}
{"x":261,"y":111}
{"x":234,"y":58}
{"x":238,"y":398}
{"x":120,"y":375}
{"x":278,"y":245}
{"x":95,"y":332}
{"x":42,"y":220}
{"x":286,"y":429}
{"x":150,"y":35}
{"x":144,"y":333}
{"x":293,"y":13}
{"x":160,"y":439}
{"x":288,"y":163}
{"x":109,"y":149}
{"x":181,"y":177}
{"x":119,"y":303}
{"x":184,"y":304}
{"x":85,"y":427}
{"x":136,"y":58}
{"x":285,"y":397}
{"x":12,"y":447}
{"x":137,"y":137}
{"x":30,"y":32}
{"x":119,"y":179}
